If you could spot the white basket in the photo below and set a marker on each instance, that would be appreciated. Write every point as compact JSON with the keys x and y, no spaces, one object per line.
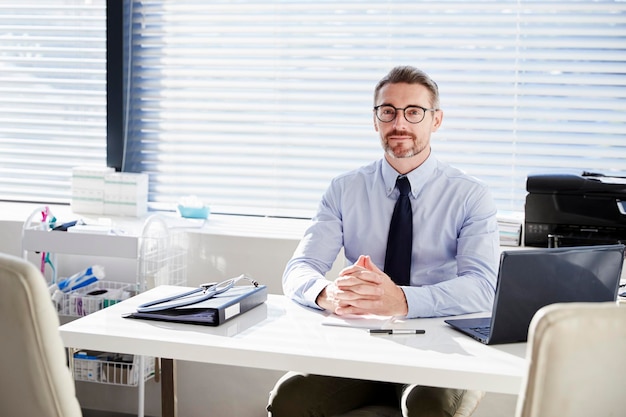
{"x":94,"y":297}
{"x":111,"y":368}
{"x":163,"y":255}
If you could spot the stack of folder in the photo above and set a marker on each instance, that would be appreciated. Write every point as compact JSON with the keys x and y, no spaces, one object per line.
{"x":212,"y":312}
{"x":510,"y":224}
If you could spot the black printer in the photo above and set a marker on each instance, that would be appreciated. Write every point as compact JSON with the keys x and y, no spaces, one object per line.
{"x":574,"y":210}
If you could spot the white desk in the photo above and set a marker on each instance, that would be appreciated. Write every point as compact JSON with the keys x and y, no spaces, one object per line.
{"x":282,"y":335}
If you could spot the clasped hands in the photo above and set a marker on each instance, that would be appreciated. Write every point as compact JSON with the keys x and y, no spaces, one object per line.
{"x":362,"y":288}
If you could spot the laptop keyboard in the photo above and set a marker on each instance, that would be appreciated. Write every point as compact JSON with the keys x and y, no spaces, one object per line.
{"x":485,"y":330}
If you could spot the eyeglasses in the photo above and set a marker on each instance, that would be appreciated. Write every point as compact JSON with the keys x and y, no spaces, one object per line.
{"x":413,"y":114}
{"x":205,"y":292}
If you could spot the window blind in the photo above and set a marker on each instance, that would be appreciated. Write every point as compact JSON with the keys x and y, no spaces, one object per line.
{"x":253,"y":106}
{"x":52,"y":95}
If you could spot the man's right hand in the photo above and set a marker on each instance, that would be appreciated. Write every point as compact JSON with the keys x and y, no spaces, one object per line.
{"x":363,"y":288}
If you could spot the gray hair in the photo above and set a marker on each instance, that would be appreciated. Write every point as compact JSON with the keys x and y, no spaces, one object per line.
{"x":410,"y":75}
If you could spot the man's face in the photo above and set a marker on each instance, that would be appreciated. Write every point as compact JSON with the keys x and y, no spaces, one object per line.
{"x":399,"y":138}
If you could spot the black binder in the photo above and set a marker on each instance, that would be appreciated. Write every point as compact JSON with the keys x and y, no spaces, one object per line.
{"x":212,"y":312}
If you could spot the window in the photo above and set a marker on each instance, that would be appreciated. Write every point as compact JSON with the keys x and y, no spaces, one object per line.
{"x":52,"y":95}
{"x":255,"y":105}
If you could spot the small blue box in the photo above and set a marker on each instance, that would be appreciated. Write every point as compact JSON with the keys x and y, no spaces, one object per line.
{"x":194,"y":212}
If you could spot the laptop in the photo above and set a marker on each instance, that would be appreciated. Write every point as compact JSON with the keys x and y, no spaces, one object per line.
{"x":531,"y":279}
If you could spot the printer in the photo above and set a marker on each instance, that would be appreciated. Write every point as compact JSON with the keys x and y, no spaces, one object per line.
{"x":583,"y":209}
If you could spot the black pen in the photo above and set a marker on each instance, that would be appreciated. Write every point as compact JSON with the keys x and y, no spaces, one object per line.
{"x":397,"y":331}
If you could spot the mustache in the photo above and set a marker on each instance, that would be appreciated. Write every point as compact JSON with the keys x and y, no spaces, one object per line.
{"x":397,"y":132}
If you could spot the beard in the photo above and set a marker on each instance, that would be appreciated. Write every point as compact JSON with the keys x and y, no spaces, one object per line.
{"x":399,"y":151}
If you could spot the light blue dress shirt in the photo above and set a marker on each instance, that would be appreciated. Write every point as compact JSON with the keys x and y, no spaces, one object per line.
{"x":455,"y":237}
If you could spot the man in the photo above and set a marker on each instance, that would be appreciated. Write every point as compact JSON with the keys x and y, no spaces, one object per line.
{"x":452,"y":254}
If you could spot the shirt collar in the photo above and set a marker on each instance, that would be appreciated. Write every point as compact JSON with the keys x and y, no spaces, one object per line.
{"x":417,"y":177}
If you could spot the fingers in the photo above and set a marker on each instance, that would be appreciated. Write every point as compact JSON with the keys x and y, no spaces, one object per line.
{"x":360,"y":270}
{"x":358,"y":277}
{"x":351,"y":270}
{"x":340,"y":302}
{"x":362,"y":261}
{"x":358,"y":265}
{"x":351,"y":289}
{"x":370,"y":266}
{"x":392,"y":303}
{"x":361,"y":288}
{"x":327,"y":298}
{"x":359,"y":307}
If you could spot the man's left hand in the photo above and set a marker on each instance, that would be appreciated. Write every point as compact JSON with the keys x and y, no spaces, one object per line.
{"x":365,"y":289}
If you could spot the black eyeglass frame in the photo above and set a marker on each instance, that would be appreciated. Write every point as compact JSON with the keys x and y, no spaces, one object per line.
{"x":424,"y":109}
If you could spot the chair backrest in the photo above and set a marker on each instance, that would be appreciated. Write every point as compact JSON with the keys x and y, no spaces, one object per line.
{"x":34,"y":375}
{"x":577,"y":362}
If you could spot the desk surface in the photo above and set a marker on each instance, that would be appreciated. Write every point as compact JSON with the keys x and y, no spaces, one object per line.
{"x":282,"y":335}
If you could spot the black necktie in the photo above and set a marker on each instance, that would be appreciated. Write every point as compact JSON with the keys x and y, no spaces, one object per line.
{"x":400,"y":240}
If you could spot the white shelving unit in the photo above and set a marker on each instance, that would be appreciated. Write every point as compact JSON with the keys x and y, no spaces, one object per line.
{"x":160,"y":253}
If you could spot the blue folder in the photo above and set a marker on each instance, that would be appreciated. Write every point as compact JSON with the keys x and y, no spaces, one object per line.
{"x":211,"y":312}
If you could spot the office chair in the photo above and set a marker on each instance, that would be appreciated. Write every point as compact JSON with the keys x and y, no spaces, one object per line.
{"x":577,"y":362}
{"x":34,"y":375}
{"x":469,"y":403}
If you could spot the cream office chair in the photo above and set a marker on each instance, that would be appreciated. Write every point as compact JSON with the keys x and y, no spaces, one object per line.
{"x":577,"y":362}
{"x":34,"y":375}
{"x":469,"y":403}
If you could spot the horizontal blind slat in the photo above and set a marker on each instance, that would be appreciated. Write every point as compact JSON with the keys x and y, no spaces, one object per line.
{"x":243,"y":92}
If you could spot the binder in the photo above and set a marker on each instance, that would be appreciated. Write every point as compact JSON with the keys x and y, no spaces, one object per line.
{"x":212,"y":312}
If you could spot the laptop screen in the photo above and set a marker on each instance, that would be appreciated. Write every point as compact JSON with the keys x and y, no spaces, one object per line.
{"x":531,"y":279}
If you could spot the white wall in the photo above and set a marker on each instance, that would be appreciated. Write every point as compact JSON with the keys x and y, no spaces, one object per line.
{"x":213,"y":390}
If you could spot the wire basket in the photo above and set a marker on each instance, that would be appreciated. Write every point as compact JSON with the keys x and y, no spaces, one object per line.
{"x":93,"y":297}
{"x":111,"y":368}
{"x":163,"y":254}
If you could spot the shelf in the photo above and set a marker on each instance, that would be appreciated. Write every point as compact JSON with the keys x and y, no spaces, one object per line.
{"x":116,"y":246}
{"x":160,"y":254}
